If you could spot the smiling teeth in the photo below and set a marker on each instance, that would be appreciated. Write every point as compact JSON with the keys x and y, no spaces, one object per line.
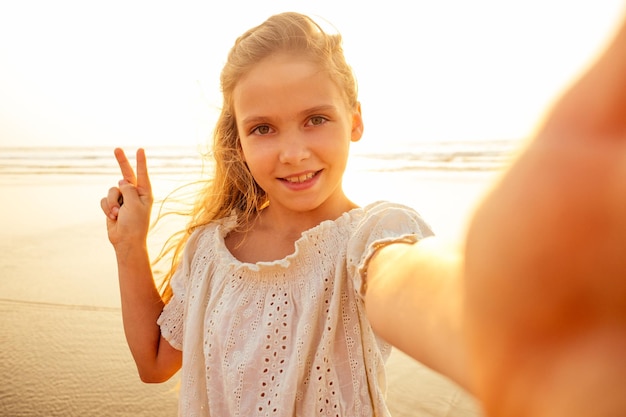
{"x":301,"y":178}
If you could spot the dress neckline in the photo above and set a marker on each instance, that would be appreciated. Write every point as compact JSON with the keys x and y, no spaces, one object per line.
{"x":226,"y":225}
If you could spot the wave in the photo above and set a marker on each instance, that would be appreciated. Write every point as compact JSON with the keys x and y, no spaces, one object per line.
{"x":91,"y":160}
{"x":448,"y":156}
{"x":180,"y":160}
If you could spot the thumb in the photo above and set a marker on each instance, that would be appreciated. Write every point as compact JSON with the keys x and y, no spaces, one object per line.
{"x":134,"y":194}
{"x":128,"y":192}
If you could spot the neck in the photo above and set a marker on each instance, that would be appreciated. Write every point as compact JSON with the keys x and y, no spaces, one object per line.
{"x":287,"y":222}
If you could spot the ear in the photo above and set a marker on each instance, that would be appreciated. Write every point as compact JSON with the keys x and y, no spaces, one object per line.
{"x":357,"y":124}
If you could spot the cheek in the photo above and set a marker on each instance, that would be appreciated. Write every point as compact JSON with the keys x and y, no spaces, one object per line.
{"x":256,"y":158}
{"x":247,"y":152}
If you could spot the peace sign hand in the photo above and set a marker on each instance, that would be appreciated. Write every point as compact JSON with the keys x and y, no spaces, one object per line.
{"x":128,"y":206}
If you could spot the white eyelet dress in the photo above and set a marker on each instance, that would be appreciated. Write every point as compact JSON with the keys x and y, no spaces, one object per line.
{"x":288,"y":337}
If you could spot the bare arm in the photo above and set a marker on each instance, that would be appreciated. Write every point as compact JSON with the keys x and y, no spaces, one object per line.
{"x":531,"y":315}
{"x":414,"y":301}
{"x":546,"y":261}
{"x":127,"y":227}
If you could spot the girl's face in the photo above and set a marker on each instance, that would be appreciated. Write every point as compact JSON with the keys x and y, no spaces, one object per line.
{"x":295,"y":129}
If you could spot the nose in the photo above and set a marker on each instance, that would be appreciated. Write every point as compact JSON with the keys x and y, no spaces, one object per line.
{"x":294,"y":148}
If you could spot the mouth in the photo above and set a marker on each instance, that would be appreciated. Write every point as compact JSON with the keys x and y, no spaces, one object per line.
{"x":299,"y":179}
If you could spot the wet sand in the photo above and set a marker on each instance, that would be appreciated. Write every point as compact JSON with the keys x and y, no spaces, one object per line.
{"x":64,"y":352}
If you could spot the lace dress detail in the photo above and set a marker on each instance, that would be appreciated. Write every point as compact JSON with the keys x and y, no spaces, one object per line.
{"x":288,"y":337}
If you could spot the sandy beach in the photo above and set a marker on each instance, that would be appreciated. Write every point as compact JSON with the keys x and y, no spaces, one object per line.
{"x":64,"y":352}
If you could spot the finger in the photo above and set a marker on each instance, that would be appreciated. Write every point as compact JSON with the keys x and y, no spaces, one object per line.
{"x":115,"y":195}
{"x":104,"y":205}
{"x":111,"y":213}
{"x":110,"y":204}
{"x":127,"y":169}
{"x":143,"y":179}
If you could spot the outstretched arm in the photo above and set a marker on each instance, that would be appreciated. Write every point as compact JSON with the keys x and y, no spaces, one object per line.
{"x":127,"y":226}
{"x":529,"y":314}
{"x":414,"y":301}
{"x":546,"y":261}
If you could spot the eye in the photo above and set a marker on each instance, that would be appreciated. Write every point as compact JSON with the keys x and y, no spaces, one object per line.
{"x":261,"y":130}
{"x":317,"y":120}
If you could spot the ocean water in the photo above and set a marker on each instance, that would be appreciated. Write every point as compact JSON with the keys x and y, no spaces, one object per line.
{"x":63,"y":347}
{"x":171,"y":161}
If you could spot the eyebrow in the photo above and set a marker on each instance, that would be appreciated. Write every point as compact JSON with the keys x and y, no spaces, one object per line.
{"x":312,"y":110}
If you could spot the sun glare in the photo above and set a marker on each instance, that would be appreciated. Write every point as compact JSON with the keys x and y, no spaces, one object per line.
{"x":141,"y":73}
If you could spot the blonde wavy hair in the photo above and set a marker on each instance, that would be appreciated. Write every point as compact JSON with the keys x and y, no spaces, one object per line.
{"x":232,"y":190}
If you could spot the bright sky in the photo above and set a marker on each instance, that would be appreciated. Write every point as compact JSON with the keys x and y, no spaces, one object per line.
{"x":125,"y":72}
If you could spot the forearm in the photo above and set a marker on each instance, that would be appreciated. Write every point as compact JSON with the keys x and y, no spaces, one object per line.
{"x":127,"y":228}
{"x":141,"y":305}
{"x":414,"y":301}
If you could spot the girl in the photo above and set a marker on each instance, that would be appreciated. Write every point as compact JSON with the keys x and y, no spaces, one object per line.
{"x":266,"y":310}
{"x":278,"y":266}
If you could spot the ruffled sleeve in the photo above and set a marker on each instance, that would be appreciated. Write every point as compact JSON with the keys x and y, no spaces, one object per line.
{"x":383,"y":223}
{"x":172,"y":318}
